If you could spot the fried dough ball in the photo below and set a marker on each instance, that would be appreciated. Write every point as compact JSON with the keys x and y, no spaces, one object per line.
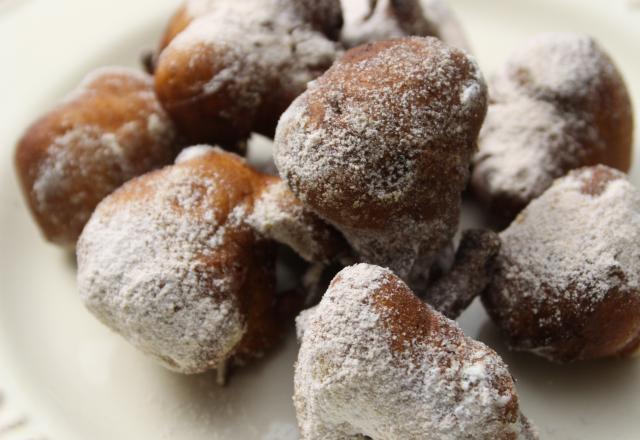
{"x":237,"y":65}
{"x":380,"y":146}
{"x":108,"y":130}
{"x":377,"y":363}
{"x":367,"y":21}
{"x":567,"y":280}
{"x":323,"y":15}
{"x":180,"y":261}
{"x":558,"y":104}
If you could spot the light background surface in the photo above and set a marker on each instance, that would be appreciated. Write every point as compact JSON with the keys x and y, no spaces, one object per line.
{"x":63,"y":376}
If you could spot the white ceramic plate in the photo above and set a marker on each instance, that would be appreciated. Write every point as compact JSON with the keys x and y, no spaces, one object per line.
{"x":63,"y":376}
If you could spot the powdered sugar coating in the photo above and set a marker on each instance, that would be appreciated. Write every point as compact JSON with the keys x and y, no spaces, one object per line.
{"x":94,"y":146}
{"x":259,"y":46}
{"x":194,"y":152}
{"x":235,"y":68}
{"x":566,"y":260}
{"x":377,"y":362}
{"x":367,"y":21}
{"x":558,"y":104}
{"x":557,"y":66}
{"x":112,"y":76}
{"x":325,"y":15}
{"x":380,"y":145}
{"x":142,"y":269}
{"x":108,"y":130}
{"x":180,"y":261}
{"x":521,"y":156}
{"x":278,"y":215}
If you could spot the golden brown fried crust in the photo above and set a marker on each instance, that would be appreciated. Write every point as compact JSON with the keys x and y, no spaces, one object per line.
{"x":250,"y":256}
{"x":268,"y":314}
{"x":610,"y":329}
{"x":406,"y":317}
{"x":579,"y":316}
{"x":103,"y":107}
{"x":440,"y":178}
{"x":254,"y":256}
{"x":371,"y":345}
{"x":210,"y":197}
{"x":412,"y":322}
{"x":200,"y":116}
{"x":247,"y":259}
{"x":259,"y":303}
{"x":229,"y":112}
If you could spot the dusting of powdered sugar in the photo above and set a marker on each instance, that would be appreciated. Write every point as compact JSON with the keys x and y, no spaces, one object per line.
{"x":279,"y":216}
{"x":362,"y":372}
{"x":86,"y":161}
{"x":143,"y":271}
{"x":363,"y":146}
{"x":558,"y":65}
{"x":266,"y":47}
{"x":525,"y":145}
{"x":114,"y":76}
{"x":78,"y":151}
{"x":326,"y":14}
{"x":575,"y":247}
{"x":163,"y":260}
{"x":110,"y":75}
{"x":194,"y":152}
{"x":540,"y":123}
{"x":564,"y":256}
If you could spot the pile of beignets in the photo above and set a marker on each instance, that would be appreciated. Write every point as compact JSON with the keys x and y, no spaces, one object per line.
{"x":381,"y":121}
